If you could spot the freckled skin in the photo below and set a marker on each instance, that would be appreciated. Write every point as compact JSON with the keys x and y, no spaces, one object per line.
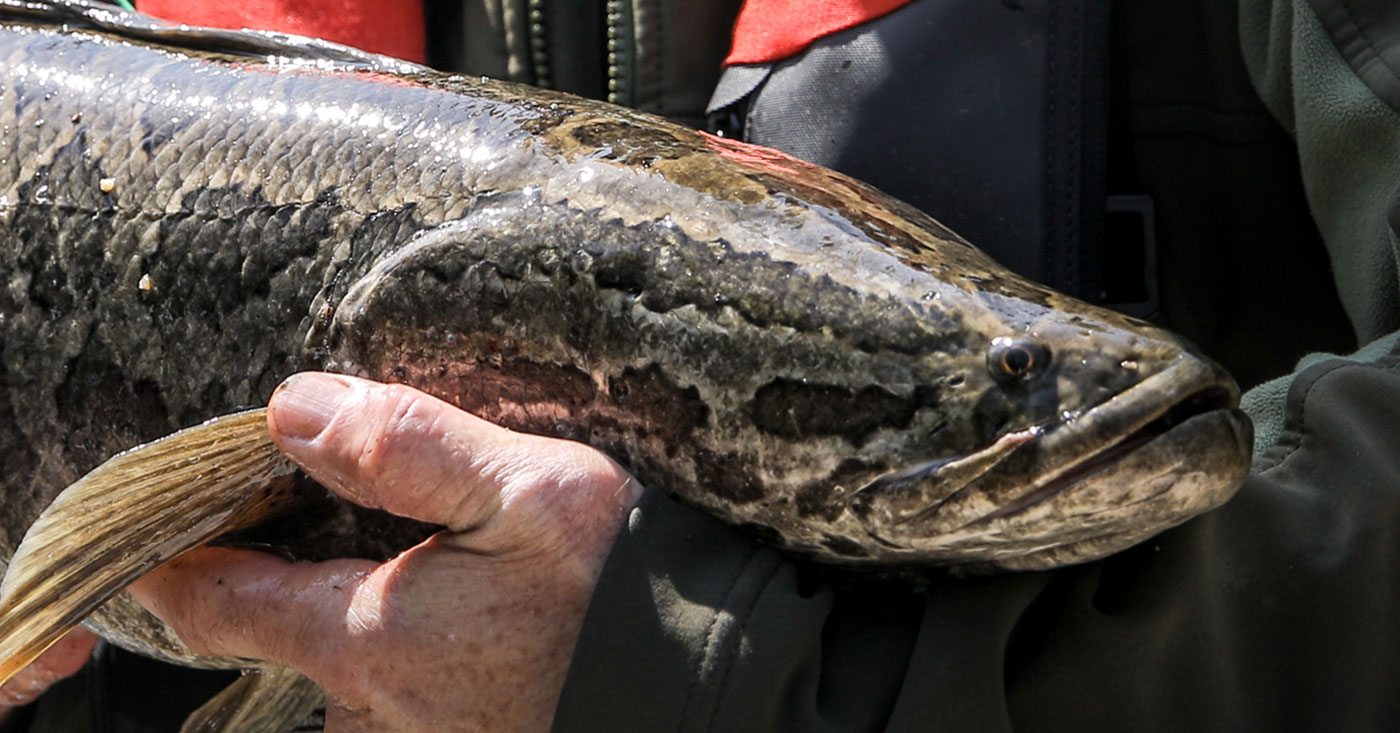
{"x":563,"y":267}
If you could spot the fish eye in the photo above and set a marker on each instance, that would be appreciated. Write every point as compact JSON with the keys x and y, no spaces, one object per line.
{"x":1016,"y":359}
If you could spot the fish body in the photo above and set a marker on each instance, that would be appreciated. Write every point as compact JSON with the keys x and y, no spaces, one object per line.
{"x":774,"y":343}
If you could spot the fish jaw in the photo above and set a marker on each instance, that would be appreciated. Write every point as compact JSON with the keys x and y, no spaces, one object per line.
{"x":1171,"y":447}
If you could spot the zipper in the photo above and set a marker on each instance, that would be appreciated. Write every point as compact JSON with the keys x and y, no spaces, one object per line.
{"x":539,"y":45}
{"x":621,"y":43}
{"x":621,"y":51}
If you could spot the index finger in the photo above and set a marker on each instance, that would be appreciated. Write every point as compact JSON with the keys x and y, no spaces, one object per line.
{"x":61,"y":660}
{"x":223,"y":601}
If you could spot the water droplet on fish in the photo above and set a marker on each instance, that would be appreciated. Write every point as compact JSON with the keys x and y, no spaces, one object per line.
{"x":146,"y":284}
{"x":39,"y":122}
{"x":41,"y":195}
{"x":932,"y":295}
{"x":107,"y":185}
{"x":1129,"y":364}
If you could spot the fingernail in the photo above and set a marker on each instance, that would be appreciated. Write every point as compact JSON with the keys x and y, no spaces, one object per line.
{"x":304,"y":404}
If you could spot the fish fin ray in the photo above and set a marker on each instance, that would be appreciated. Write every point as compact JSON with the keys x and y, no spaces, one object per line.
{"x":268,"y":699}
{"x":128,"y":516}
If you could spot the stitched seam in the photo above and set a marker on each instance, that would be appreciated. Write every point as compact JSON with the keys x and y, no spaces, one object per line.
{"x":654,"y":31}
{"x":1047,"y":139}
{"x":711,"y":640}
{"x":1390,"y":362}
{"x":1074,"y":154}
{"x":1366,"y":39}
{"x":1204,"y":108}
{"x":743,"y":624}
{"x":661,"y":72}
{"x":1296,"y":443}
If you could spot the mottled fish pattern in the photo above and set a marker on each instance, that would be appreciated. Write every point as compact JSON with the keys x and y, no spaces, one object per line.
{"x":770,"y":341}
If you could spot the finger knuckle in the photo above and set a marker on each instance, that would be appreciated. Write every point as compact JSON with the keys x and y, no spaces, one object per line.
{"x":393,"y":431}
{"x":581,"y":502}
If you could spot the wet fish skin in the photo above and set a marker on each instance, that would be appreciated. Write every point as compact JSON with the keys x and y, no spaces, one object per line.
{"x":772,"y":342}
{"x":759,"y":335}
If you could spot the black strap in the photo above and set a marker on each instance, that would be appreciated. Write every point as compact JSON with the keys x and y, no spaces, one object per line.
{"x":989,"y":116}
{"x":1074,"y":140}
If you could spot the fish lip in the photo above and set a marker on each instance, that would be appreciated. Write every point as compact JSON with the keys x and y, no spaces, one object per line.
{"x":1087,"y":442}
{"x":1132,"y":419}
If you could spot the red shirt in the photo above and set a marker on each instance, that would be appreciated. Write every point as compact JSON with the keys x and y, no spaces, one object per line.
{"x":393,"y":27}
{"x":768,"y":30}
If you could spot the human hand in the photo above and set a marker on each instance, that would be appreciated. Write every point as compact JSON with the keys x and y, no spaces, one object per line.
{"x":474,"y":628}
{"x":57,"y":662}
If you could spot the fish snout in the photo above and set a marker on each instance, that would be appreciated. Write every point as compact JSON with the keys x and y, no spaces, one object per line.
{"x":1167,"y":449}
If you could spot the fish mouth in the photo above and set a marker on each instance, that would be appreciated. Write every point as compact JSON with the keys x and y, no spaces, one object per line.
{"x":1148,"y":458}
{"x":1220,"y":398}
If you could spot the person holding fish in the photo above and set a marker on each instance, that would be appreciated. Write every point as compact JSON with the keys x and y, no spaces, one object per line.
{"x":561,"y":592}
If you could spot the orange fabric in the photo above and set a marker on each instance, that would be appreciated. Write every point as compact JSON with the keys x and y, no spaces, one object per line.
{"x":768,"y":30}
{"x":393,"y":27}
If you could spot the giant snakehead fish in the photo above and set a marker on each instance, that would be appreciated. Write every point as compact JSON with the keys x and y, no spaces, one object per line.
{"x":187,"y":216}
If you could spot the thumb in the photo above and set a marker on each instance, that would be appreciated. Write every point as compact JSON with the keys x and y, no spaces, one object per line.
{"x":393,"y":447}
{"x":382,"y":446}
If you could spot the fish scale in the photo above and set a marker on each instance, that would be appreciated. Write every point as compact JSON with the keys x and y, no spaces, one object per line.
{"x":188,"y":216}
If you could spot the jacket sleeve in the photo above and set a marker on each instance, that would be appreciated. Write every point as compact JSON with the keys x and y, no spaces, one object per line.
{"x":1275,"y":612}
{"x":1322,"y":68}
{"x":1325,"y":70}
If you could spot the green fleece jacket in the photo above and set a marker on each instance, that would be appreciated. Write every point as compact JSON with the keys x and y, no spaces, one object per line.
{"x":1347,"y":141}
{"x":1275,"y":612}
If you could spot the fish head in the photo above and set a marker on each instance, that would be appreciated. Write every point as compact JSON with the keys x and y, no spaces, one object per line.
{"x":1067,"y":433}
